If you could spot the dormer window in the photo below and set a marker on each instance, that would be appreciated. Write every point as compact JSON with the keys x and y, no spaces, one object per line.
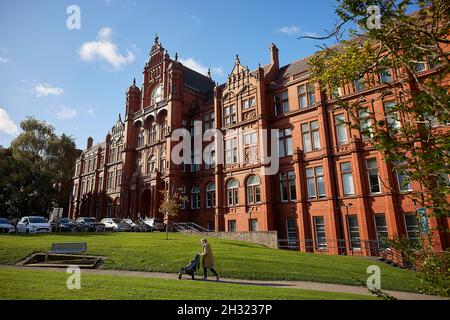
{"x":157,"y":95}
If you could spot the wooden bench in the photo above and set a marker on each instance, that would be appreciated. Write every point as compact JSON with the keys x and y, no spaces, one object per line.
{"x":68,"y":248}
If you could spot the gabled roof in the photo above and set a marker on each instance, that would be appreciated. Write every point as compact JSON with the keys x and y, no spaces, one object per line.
{"x":197,"y":81}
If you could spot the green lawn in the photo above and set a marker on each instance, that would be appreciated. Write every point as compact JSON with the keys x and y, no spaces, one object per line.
{"x":150,"y":252}
{"x":42,"y":285}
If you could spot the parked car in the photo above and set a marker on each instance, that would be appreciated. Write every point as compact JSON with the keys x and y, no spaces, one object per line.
{"x":6,"y":226}
{"x":131,"y":223}
{"x":33,"y":224}
{"x":155,"y":224}
{"x":113,"y":224}
{"x":63,"y":225}
{"x":141,"y":226}
{"x":89,"y":224}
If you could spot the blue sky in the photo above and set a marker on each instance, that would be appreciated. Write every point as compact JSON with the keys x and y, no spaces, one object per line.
{"x":76,"y":79}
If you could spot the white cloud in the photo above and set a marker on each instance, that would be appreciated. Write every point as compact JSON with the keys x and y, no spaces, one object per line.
{"x":4,"y":60}
{"x":44,"y":90}
{"x":66,"y":113}
{"x":104,"y":49}
{"x":290,"y":31}
{"x":6,"y":124}
{"x":91,"y":112}
{"x":191,"y":63}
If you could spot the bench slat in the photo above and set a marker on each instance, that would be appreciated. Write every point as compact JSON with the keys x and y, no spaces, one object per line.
{"x":72,"y":247}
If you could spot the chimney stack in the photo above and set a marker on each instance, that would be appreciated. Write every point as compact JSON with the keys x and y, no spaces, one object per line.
{"x":90,"y":142}
{"x":274,"y":60}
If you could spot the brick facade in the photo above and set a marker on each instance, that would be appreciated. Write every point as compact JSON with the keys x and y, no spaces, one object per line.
{"x":305,"y":201}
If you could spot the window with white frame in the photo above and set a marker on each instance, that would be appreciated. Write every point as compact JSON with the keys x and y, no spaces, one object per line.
{"x":353,"y":229}
{"x":306,"y":95}
{"x":285,"y":142}
{"x":195,"y":197}
{"x":381,"y":228}
{"x":211,"y":195}
{"x":341,"y":129}
{"x":231,"y":154}
{"x":347,"y":179}
{"x":287,"y":186}
{"x":229,"y":115}
{"x":412,"y":227}
{"x":374,"y":178}
{"x":403,"y":178}
{"x":310,"y":136}
{"x":365,"y":123}
{"x":248,"y":103}
{"x":253,"y":190}
{"x":321,"y":239}
{"x":315,"y":182}
{"x":392,"y":116}
{"x":151,"y":164}
{"x":232,"y":192}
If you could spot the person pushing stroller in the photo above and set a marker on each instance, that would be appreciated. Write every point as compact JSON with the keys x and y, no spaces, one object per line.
{"x":190,"y":268}
{"x":194,"y":264}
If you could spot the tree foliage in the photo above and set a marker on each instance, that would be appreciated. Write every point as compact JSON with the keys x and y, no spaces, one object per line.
{"x":170,"y":206}
{"x":36,"y":171}
{"x":420,"y":147}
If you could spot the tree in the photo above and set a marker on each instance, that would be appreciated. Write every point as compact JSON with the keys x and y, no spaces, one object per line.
{"x":170,"y":206}
{"x":36,"y":170}
{"x":420,"y":147}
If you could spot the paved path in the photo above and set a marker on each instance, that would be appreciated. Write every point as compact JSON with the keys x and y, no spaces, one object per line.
{"x":317,"y":286}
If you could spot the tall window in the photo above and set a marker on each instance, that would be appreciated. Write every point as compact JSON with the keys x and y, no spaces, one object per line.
{"x":156,"y":95}
{"x":231,"y":151}
{"x":403,"y":179}
{"x":381,"y":227}
{"x":209,"y":121}
{"x":291,"y":231}
{"x":162,"y":165}
{"x":365,"y":123}
{"x":152,"y":132}
{"x":392,"y":116}
{"x":151,"y":164}
{"x":211,"y":195}
{"x":183,"y":195}
{"x":315,"y":182}
{"x":386,"y":76}
{"x":306,"y":95}
{"x":321,"y":239}
{"x":341,"y":129}
{"x":140,"y":138}
{"x":359,"y":85}
{"x":412,"y":227}
{"x":347,"y":179}
{"x":195,"y":197}
{"x":253,"y":190}
{"x":287,"y":186}
{"x":232,"y":192}
{"x":229,"y":115}
{"x":353,"y":229}
{"x":310,"y":136}
{"x":372,"y":173}
{"x":231,"y":225}
{"x":285,"y":142}
{"x":281,"y":103}
{"x":253,"y":225}
{"x":112,"y":155}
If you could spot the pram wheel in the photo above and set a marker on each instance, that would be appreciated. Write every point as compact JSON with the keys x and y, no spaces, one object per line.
{"x":179,"y":276}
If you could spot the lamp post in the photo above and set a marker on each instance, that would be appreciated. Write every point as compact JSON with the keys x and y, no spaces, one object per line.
{"x":348,"y":226}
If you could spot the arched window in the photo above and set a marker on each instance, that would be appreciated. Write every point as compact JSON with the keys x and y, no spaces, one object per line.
{"x":156,"y":95}
{"x":232,"y":192}
{"x":151,"y":164}
{"x":195,"y":197}
{"x":182,"y":195}
{"x":211,"y":195}
{"x":253,"y":190}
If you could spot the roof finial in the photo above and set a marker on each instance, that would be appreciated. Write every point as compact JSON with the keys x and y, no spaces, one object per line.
{"x":209,"y":73}
{"x":134,"y":81}
{"x":156,"y":38}
{"x":120,"y":117}
{"x":237,"y":58}
{"x":176,"y":56}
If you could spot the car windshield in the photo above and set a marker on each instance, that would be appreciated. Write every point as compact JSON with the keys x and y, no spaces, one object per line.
{"x":89,"y":220}
{"x":38,"y":220}
{"x":128,"y":220}
{"x":64,"y":220}
{"x":3,"y":221}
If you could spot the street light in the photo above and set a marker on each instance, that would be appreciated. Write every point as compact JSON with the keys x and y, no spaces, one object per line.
{"x":348,"y":226}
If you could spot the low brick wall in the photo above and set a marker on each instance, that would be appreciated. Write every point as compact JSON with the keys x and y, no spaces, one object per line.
{"x":266,"y":238}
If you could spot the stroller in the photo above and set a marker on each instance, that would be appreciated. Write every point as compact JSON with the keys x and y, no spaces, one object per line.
{"x":190,"y":268}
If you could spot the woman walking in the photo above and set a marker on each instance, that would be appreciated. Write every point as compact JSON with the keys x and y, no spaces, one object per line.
{"x":208,"y":260}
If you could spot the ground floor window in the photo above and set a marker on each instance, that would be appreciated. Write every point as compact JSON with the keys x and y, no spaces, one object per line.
{"x":353,"y":230}
{"x":291,"y":231}
{"x":381,"y":228}
{"x":231,"y":225}
{"x":412,"y":228}
{"x":321,"y":240}
{"x":253,"y":224}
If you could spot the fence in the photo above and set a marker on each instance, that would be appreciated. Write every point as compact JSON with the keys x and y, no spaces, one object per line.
{"x":373,"y":248}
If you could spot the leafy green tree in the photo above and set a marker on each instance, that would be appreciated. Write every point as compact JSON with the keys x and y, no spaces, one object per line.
{"x":420,"y":147}
{"x":36,"y":170}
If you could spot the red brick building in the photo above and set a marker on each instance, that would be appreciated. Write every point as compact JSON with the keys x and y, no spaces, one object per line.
{"x":332,"y":184}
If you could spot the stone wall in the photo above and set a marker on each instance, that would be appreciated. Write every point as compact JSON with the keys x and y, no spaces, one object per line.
{"x":266,"y":238}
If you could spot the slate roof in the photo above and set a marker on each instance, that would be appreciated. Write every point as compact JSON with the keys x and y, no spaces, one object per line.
{"x":197,"y":81}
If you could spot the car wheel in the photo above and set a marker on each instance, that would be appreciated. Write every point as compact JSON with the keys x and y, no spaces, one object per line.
{"x":27,"y":231}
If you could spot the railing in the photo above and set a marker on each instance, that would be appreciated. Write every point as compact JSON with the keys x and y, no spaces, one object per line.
{"x":373,"y":248}
{"x":188,"y":227}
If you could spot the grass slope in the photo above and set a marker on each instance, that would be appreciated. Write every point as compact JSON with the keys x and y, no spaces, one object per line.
{"x":150,"y":252}
{"x":51,"y":285}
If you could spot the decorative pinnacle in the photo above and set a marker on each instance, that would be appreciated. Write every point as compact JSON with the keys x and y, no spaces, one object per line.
{"x":134,"y":81}
{"x":156,"y":38}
